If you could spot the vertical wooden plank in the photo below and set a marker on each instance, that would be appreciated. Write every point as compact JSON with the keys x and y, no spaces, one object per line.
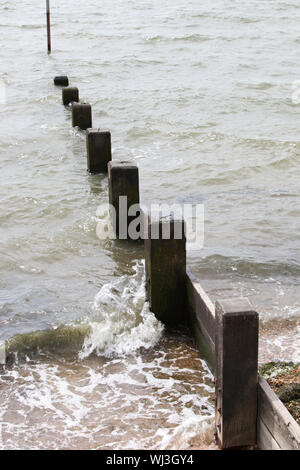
{"x":236,"y":373}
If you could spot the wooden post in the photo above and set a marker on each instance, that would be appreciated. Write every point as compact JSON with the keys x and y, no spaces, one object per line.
{"x":165,"y":257}
{"x":70,"y":95}
{"x":123,"y":185}
{"x":48,"y":26}
{"x":61,"y":80}
{"x":98,"y":144}
{"x":81,"y":115}
{"x":236,"y":373}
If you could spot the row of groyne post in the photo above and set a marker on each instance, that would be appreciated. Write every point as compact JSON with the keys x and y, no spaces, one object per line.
{"x":247,"y":413}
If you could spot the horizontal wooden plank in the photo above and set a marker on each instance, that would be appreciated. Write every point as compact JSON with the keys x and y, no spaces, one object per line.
{"x":277,"y":419}
{"x":204,"y":349}
{"x":204,"y":309}
{"x":264,"y":438}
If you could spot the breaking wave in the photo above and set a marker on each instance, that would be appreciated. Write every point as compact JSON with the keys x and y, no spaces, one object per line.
{"x":122,"y":321}
{"x":119,"y":322}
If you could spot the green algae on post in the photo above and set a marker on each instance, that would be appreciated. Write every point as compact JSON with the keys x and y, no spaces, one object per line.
{"x":65,"y":338}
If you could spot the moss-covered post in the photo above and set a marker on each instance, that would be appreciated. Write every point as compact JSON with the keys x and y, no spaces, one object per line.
{"x":61,"y":80}
{"x":123,"y":186}
{"x":236,"y":373}
{"x":70,"y":95}
{"x":98,"y":144}
{"x":82,"y":115}
{"x":165,"y":257}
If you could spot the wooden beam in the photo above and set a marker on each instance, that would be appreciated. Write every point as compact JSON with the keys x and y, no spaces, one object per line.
{"x":124,"y":193}
{"x":81,"y":115}
{"x":98,"y":145}
{"x":202,"y":318}
{"x":265,"y":439}
{"x":276,"y":428}
{"x":275,"y":423}
{"x":236,"y":373}
{"x":69,"y":95}
{"x":165,"y":259}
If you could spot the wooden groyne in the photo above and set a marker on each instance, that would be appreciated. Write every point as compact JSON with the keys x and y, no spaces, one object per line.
{"x":248,"y":414}
{"x":271,"y":423}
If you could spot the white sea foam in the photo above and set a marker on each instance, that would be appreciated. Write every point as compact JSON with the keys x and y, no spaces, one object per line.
{"x":122,"y":321}
{"x":154,"y":400}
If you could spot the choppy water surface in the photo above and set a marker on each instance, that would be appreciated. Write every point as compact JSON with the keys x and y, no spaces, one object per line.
{"x":200,"y":95}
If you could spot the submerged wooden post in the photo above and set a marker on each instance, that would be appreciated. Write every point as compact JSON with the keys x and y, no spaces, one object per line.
{"x":123,"y":186}
{"x":61,"y":80}
{"x":236,"y":373}
{"x":81,"y":115}
{"x":70,"y":95}
{"x":165,"y":257}
{"x":98,"y":144}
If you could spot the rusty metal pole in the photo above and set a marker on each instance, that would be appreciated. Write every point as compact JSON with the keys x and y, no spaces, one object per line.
{"x":48,"y":26}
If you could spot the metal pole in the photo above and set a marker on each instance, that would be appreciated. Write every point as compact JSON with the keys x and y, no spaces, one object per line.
{"x":48,"y":26}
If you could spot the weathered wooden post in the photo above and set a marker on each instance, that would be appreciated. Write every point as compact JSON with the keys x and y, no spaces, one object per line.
{"x":70,"y":95}
{"x":165,"y":258}
{"x":98,"y":144}
{"x":123,"y":186}
{"x":236,"y":373}
{"x":61,"y":80}
{"x":81,"y":115}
